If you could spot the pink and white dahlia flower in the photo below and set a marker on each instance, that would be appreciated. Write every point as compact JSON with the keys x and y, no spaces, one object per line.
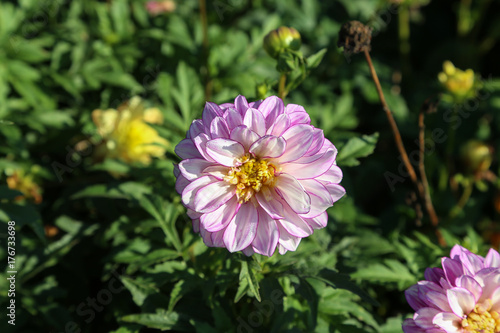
{"x":463,"y":296}
{"x":256,"y":176}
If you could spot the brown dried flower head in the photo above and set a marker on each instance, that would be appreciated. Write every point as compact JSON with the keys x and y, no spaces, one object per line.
{"x":355,"y":37}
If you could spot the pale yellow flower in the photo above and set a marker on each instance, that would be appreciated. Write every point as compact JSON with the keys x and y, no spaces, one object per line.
{"x":25,"y":184}
{"x":127,"y":134}
{"x":456,"y":81}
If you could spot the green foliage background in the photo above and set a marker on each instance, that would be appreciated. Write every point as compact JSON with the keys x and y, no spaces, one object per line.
{"x":129,"y":238}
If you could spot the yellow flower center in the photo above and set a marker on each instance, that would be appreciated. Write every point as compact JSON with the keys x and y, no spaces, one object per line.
{"x":252,"y":176}
{"x":482,"y":320}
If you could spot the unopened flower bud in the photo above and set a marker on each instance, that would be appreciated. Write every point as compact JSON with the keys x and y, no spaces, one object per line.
{"x":459,"y":83}
{"x":476,"y":156}
{"x":355,"y":37}
{"x":281,"y":39}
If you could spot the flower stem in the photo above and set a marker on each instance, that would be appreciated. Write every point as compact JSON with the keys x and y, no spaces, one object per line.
{"x":423,"y":175}
{"x":392,"y":122}
{"x":402,"y":150}
{"x":282,"y":87}
{"x":205,"y":50}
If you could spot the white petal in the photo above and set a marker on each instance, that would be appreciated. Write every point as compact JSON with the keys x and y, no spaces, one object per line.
{"x":225,"y":151}
{"x":271,"y":108}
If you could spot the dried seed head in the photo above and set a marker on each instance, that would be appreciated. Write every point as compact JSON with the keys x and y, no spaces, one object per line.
{"x":355,"y":37}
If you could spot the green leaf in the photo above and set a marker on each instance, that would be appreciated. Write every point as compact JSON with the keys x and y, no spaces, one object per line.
{"x":248,"y":281}
{"x":390,"y":271}
{"x":343,"y":281}
{"x":140,"y":290}
{"x":162,"y":320}
{"x":314,"y":60}
{"x":355,"y":148}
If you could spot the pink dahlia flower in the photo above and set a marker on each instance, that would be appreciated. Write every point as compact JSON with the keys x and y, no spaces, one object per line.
{"x":256,"y":176}
{"x":463,"y":296}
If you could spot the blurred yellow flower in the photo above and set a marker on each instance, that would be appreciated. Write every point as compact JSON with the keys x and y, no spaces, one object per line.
{"x":126,"y":133}
{"x":458,"y":82}
{"x":25,"y":184}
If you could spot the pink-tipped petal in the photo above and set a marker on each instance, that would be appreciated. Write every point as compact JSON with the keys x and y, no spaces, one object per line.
{"x":233,"y":118}
{"x":492,"y":259}
{"x":193,"y":168}
{"x":255,"y":120}
{"x":280,"y":126}
{"x":220,"y":218}
{"x":293,"y":193}
{"x":320,"y":197}
{"x":217,"y":171}
{"x":267,"y":235}
{"x":448,"y":321}
{"x":424,"y":316}
{"x":271,"y":108}
{"x":188,"y":194}
{"x":201,"y":144}
{"x":196,"y":128}
{"x":452,"y":269}
{"x":287,"y":241}
{"x":219,"y":128}
{"x":461,"y":301}
{"x":210,"y":111}
{"x":242,"y":229}
{"x":244,"y":135}
{"x":268,"y":146}
{"x":298,"y":140}
{"x":413,"y":298}
{"x":187,"y":149}
{"x":241,"y":104}
{"x":270,"y":204}
{"x":319,"y":221}
{"x":294,"y":224}
{"x":225,"y":151}
{"x":333,"y":175}
{"x":311,"y":170}
{"x":212,"y":196}
{"x":469,"y":283}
